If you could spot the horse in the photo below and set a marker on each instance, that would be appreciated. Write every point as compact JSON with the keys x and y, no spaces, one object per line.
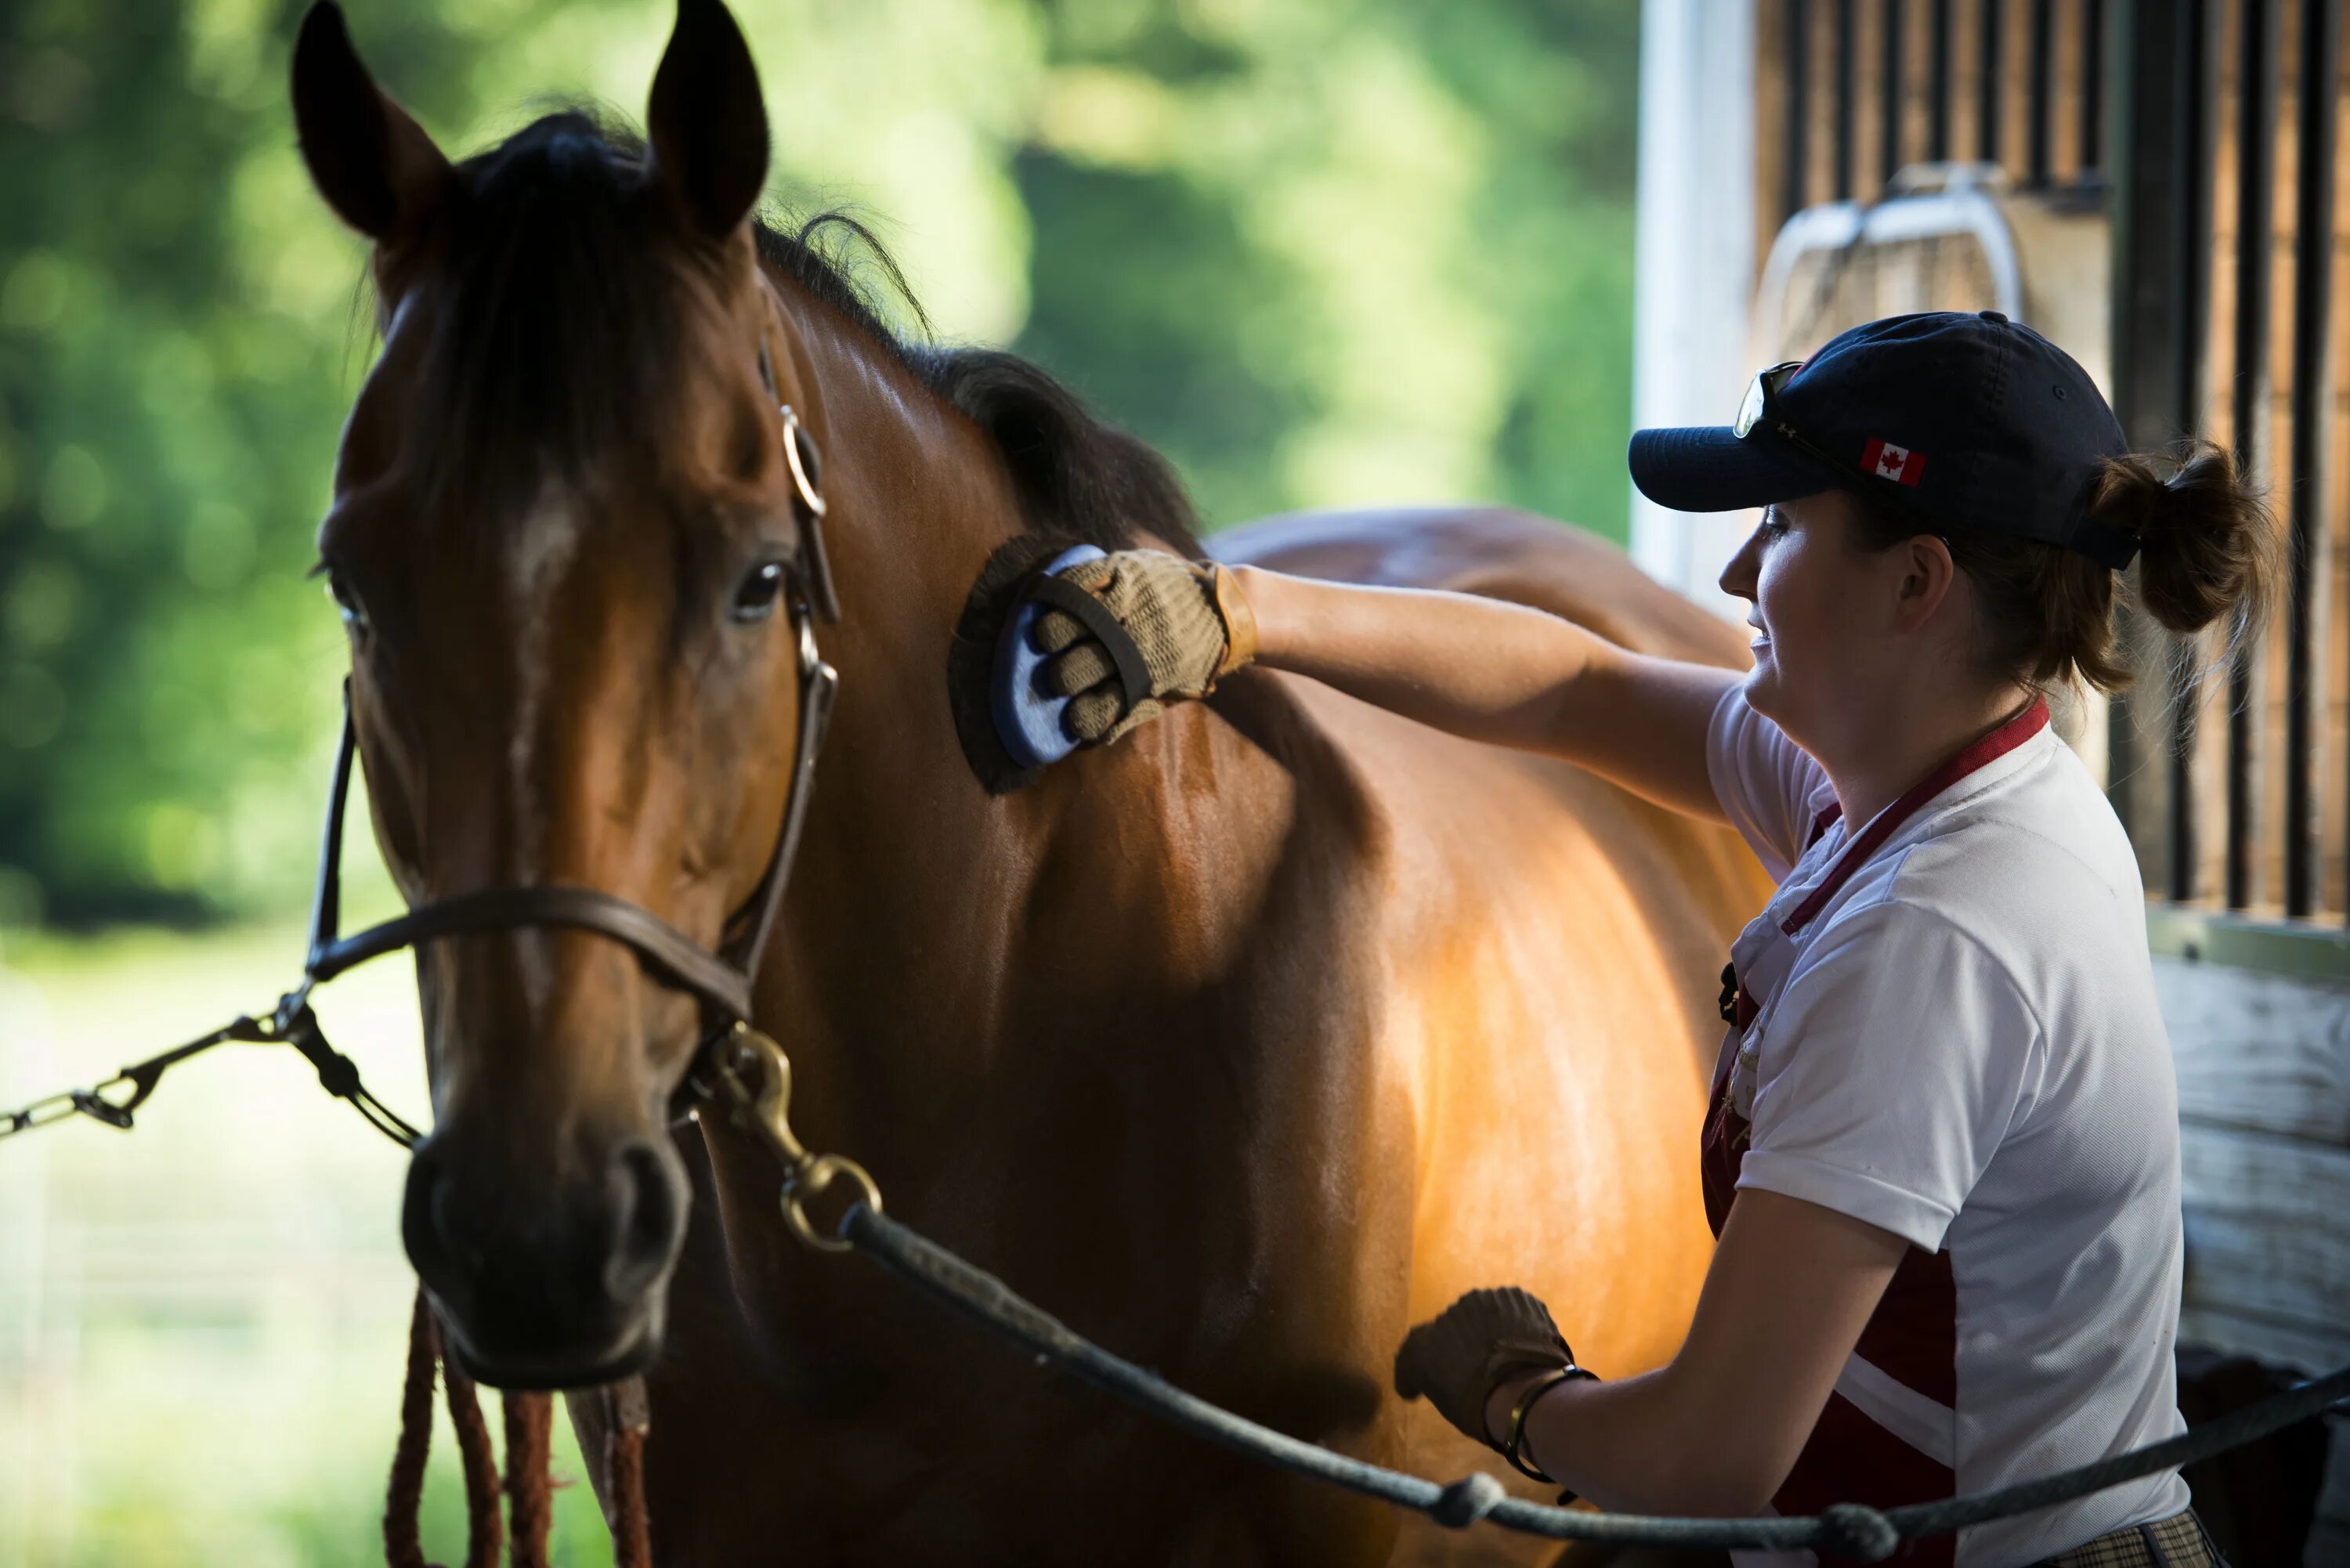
{"x":1238,"y":1044}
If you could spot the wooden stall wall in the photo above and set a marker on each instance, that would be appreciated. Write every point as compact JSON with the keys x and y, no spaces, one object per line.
{"x":2231,"y":323}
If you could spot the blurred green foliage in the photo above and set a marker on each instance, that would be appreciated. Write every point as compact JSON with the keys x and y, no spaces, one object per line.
{"x":1320,"y":252}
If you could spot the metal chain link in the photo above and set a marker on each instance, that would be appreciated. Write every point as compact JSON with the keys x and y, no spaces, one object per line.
{"x":291,"y":1022}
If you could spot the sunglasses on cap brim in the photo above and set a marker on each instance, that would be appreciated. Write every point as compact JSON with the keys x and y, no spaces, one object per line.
{"x":1761,"y":394}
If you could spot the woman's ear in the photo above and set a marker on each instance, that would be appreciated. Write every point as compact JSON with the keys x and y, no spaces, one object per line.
{"x":374,"y":165}
{"x":1927,"y":578}
{"x":708,"y":122}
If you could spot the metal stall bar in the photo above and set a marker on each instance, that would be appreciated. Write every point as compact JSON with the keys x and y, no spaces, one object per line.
{"x":2193,"y":242}
{"x":1892,"y":78}
{"x":1938,"y":85}
{"x":2256,"y":113}
{"x":2042,"y":97}
{"x":1846,"y":47}
{"x":2159,"y":82}
{"x":2321,"y":35}
{"x":1987,"y":82}
{"x":1796,"y":147}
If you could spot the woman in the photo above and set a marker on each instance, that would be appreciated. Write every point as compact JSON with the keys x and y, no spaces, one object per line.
{"x":1942,"y":1160}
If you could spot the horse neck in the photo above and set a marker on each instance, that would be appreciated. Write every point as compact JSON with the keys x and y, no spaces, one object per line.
{"x":937,"y":937}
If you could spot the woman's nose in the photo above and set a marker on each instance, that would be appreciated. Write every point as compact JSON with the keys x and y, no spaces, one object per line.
{"x":1738,"y":576}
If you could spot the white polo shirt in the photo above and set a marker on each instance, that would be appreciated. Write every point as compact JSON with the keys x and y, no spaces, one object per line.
{"x":1947,"y":1028}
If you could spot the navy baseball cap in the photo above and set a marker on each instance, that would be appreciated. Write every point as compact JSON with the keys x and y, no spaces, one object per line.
{"x":1962,"y":420}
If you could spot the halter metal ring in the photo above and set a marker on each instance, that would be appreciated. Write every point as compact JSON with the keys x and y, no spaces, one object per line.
{"x":810,"y":497}
{"x":811,"y":657}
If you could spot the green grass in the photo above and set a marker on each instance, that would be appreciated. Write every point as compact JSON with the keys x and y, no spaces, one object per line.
{"x":202,"y":1322}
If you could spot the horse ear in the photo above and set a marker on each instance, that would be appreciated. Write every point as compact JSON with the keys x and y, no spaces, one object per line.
{"x":709,"y":125}
{"x":373,"y":164}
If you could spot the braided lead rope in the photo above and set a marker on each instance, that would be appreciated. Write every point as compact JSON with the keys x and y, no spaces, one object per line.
{"x":528,"y":1484}
{"x":1847,"y":1530}
{"x":485,"y":1531}
{"x":627,"y":1416}
{"x":530,"y":1513}
{"x":404,"y":1545}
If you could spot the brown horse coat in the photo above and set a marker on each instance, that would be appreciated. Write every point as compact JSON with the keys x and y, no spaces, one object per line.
{"x":1239,"y":1045}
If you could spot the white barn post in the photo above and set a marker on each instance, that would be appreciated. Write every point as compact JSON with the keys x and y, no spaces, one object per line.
{"x":1694,"y":259}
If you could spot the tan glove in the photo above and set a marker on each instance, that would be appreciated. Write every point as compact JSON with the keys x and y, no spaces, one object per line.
{"x":1188,"y":617}
{"x":1483,"y":1340}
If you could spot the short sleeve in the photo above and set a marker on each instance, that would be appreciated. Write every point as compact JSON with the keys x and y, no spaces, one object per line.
{"x":1770,"y":788}
{"x":1893,"y":1066}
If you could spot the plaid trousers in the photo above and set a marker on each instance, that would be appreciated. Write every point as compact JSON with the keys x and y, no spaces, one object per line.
{"x":2177,"y":1542}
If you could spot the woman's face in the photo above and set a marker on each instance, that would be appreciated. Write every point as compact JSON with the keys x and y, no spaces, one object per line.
{"x":1820,"y":614}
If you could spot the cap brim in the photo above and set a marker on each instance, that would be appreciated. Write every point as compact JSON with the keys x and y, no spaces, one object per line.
{"x":1706,"y":468}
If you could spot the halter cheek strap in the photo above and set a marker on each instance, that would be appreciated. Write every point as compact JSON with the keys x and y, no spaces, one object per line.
{"x":807,"y":467}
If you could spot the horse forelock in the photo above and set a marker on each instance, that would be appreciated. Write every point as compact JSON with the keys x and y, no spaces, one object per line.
{"x":554,"y":310}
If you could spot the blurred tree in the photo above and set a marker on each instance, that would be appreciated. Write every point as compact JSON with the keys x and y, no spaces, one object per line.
{"x":1327,"y":254}
{"x":1321,"y":254}
{"x":169,"y":349}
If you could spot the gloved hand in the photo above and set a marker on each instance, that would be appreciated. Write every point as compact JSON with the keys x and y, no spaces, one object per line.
{"x":1485,"y":1339}
{"x":1188,"y":617}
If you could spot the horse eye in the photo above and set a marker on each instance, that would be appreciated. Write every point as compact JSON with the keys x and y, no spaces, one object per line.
{"x":347,"y":601}
{"x":755,"y":599}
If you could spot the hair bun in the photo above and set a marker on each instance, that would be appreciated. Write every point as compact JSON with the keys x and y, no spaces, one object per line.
{"x":2207,"y":545}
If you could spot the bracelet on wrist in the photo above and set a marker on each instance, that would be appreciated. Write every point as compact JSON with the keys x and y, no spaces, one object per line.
{"x":1513,"y":1442}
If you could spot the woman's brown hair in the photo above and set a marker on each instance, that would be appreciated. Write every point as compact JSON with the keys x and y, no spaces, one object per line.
{"x":2207,"y":549}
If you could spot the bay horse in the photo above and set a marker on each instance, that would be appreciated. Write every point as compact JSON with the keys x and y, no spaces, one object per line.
{"x":1238,"y":1044}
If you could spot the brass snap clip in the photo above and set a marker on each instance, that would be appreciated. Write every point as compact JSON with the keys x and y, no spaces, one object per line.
{"x":757,"y":1077}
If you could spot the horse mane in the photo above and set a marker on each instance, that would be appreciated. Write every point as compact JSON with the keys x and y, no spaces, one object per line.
{"x":1076,"y":476}
{"x":558,"y":319}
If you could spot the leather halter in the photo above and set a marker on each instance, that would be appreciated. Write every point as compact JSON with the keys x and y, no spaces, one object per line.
{"x":721,"y":979}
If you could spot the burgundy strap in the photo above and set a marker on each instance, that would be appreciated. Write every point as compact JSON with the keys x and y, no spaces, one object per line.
{"x":1983,"y":752}
{"x":1738,"y":1005}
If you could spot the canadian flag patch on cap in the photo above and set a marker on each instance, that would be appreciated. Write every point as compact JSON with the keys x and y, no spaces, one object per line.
{"x":1898,"y":463}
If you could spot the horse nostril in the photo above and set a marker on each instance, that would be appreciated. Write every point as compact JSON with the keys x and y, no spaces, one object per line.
{"x":421,"y":1213}
{"x":647,"y":1205}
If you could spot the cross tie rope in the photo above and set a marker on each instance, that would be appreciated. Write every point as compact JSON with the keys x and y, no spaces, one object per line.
{"x":752,"y":1074}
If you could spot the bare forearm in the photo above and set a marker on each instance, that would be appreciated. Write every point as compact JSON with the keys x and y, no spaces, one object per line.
{"x":1501,"y":673}
{"x":1478,"y":668}
{"x":1717,"y":1431}
{"x":1635,"y":1446}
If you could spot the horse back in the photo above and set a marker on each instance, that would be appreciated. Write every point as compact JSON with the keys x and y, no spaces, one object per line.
{"x":1499,"y":553}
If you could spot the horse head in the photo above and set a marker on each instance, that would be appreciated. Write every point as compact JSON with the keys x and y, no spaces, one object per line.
{"x":568,"y":536}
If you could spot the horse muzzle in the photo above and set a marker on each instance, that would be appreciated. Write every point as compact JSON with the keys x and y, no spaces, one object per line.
{"x":546,"y":1285}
